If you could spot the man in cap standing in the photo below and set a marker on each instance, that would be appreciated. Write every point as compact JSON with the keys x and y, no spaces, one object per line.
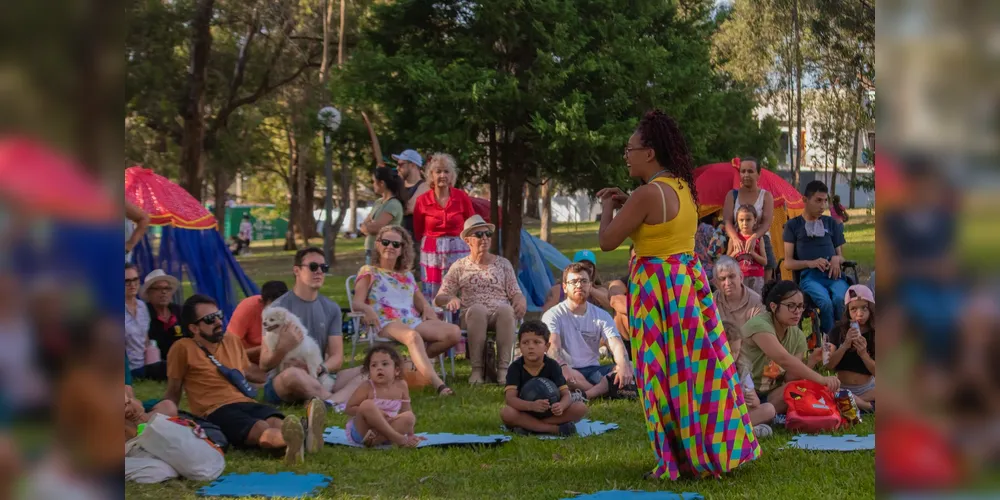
{"x":409,"y":163}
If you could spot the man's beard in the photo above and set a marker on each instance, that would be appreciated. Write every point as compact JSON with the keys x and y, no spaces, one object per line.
{"x":215,"y":337}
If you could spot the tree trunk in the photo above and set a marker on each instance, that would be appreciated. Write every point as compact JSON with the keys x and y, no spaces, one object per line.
{"x":545,"y":233}
{"x":854,"y":149}
{"x":798,"y":94}
{"x":340,"y":43}
{"x":193,"y":140}
{"x":833,"y":176}
{"x":304,"y":202}
{"x":309,"y":207}
{"x":494,"y":179}
{"x":222,"y":183}
{"x":352,"y":209}
{"x":293,"y":182}
{"x":532,"y":202}
{"x":514,"y":179}
{"x":345,"y":194}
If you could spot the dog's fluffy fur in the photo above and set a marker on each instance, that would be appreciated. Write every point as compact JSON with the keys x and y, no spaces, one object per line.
{"x":278,"y":320}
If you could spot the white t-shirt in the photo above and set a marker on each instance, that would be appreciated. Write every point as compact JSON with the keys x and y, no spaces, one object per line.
{"x":580,"y":335}
{"x":246,"y":230}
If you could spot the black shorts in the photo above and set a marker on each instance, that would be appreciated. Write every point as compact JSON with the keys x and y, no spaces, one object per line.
{"x":237,"y":419}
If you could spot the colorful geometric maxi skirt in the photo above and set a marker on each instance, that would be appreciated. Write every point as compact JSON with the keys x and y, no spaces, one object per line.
{"x":697,"y":421}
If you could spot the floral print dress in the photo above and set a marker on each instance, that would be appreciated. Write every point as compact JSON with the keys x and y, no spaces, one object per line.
{"x":391,"y":295}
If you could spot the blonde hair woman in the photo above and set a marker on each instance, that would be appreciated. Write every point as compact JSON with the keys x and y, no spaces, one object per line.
{"x":438,"y":218}
{"x":387,"y":294}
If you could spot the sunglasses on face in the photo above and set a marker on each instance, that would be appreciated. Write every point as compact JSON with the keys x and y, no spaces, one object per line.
{"x":316,"y":266}
{"x":483,"y":234}
{"x":210,"y":319}
{"x":392,"y":243}
{"x":161,"y":289}
{"x":131,"y":281}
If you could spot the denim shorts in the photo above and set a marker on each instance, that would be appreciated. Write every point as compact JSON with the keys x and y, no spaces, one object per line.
{"x":270,"y":395}
{"x":594,"y":374}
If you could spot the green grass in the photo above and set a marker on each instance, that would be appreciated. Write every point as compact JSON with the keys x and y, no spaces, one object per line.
{"x":528,"y":468}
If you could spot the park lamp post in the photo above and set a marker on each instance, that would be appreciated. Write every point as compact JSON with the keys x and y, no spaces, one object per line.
{"x":329,"y":118}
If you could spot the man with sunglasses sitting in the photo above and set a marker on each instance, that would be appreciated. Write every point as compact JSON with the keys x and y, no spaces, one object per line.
{"x":210,"y":365}
{"x":323,"y":319}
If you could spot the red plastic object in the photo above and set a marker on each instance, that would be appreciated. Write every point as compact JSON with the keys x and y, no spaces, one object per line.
{"x":811,"y":407}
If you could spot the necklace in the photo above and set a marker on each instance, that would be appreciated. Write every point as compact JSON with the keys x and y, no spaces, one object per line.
{"x":656,"y":175}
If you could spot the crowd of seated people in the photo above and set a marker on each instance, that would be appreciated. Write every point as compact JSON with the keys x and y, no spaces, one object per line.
{"x":221,"y":369}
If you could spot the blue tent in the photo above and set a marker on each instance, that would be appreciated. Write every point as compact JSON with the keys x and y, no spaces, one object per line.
{"x":535,"y":272}
{"x":204,"y":256}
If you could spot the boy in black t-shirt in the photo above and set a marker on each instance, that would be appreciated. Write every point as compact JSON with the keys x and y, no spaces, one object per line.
{"x":518,"y":414}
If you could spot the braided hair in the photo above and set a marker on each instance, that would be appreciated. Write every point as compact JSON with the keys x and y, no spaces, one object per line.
{"x":661,"y":133}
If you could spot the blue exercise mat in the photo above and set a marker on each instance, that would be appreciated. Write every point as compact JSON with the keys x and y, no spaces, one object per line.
{"x":848,"y":442}
{"x":637,"y":495}
{"x":259,"y":484}
{"x":337,"y":436}
{"x":584,"y":428}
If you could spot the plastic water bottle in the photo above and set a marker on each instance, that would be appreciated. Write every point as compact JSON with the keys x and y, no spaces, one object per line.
{"x":152,"y":353}
{"x":826,"y":352}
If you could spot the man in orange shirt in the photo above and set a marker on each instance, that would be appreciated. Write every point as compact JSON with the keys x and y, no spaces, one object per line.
{"x":247,"y":318}
{"x":215,"y":396}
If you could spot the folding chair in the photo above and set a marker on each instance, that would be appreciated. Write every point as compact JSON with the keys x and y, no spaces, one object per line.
{"x":450,"y":318}
{"x":361,"y":329}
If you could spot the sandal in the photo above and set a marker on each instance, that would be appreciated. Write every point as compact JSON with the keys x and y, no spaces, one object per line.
{"x":444,"y":390}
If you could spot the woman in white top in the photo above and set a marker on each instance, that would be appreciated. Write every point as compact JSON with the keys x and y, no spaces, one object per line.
{"x":750,"y":193}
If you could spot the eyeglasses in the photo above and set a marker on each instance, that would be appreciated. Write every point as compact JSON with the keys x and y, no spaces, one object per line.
{"x":160,"y":289}
{"x":316,"y":266}
{"x":483,"y":234}
{"x":210,"y":319}
{"x":578,"y":282}
{"x":629,"y":149}
{"x":392,"y":243}
{"x":793,"y":308}
{"x":131,"y":281}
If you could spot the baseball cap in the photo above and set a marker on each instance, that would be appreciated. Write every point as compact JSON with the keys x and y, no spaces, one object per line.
{"x":859,"y":292}
{"x":585,"y":255}
{"x":411,"y":156}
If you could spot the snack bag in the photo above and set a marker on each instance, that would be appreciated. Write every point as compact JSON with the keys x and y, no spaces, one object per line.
{"x":848,"y":406}
{"x":770,"y":376}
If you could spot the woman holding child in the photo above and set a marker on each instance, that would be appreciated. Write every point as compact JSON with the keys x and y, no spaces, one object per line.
{"x":387,"y":294}
{"x":678,"y":345}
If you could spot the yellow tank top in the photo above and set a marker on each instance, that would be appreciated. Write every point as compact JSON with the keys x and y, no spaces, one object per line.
{"x":674,"y":236}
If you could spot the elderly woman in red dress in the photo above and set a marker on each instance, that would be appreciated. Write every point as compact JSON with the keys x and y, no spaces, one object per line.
{"x":438,"y":218}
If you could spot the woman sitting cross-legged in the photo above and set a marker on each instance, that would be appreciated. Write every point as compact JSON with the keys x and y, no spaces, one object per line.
{"x":484,"y":286}
{"x":776,"y":347}
{"x":387,"y":294}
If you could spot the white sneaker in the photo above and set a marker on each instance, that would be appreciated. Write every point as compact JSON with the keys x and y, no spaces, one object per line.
{"x":762,"y":431}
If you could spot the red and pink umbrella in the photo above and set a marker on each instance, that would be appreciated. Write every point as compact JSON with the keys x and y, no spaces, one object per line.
{"x":716,"y":181}
{"x":166,"y":203}
{"x":36,"y":180}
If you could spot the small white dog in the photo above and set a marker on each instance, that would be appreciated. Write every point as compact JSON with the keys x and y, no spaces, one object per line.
{"x":278,"y":320}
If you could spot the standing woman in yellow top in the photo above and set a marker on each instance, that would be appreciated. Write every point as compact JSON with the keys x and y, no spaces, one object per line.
{"x":697,"y":421}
